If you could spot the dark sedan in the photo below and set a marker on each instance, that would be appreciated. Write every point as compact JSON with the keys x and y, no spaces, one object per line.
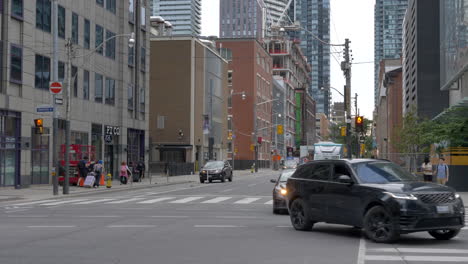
{"x":279,"y":192}
{"x":216,"y":170}
{"x":379,"y":196}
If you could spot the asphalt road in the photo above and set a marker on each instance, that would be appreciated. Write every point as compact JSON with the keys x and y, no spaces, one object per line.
{"x":219,"y":223}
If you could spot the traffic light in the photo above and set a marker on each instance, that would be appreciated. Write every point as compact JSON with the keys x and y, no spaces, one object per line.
{"x":259,"y":140}
{"x":343,"y":131}
{"x":279,"y":129}
{"x":229,"y":135}
{"x":39,"y":125}
{"x":359,"y":122}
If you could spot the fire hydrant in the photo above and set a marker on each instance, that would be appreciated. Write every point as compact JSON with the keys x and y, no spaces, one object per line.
{"x":109,"y":180}
{"x":252,"y":169}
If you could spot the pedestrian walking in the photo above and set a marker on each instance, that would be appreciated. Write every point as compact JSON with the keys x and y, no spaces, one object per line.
{"x":427,"y":170}
{"x":83,"y":168}
{"x":442,"y":172}
{"x":141,"y":169}
{"x":124,"y":173}
{"x":98,"y":167}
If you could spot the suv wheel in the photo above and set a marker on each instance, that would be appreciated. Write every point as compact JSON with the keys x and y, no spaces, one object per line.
{"x":223,"y":178}
{"x":202,"y":181}
{"x":444,"y":234}
{"x":299,"y":216}
{"x":379,"y":226}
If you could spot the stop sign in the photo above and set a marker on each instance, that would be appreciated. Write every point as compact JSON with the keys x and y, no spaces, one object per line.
{"x":55,"y":87}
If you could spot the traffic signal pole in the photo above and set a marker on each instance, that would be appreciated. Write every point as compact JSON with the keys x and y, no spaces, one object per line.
{"x":55,"y":158}
{"x":346,"y":68}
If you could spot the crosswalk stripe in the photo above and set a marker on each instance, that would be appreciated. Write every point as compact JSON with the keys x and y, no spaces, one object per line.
{"x":160,"y":199}
{"x":420,"y":250}
{"x":35,"y":202}
{"x":247,"y":200}
{"x":417,"y":258}
{"x":269,"y":202}
{"x":188,"y":199}
{"x":465,"y":228}
{"x":217,"y":200}
{"x":96,"y":201}
{"x":64,"y":202}
{"x":125,"y":201}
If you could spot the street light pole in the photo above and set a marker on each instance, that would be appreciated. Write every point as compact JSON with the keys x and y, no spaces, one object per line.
{"x":66,"y":183}
{"x":55,"y":159}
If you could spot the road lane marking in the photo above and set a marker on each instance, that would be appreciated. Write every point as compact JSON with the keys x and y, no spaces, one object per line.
{"x":283,"y":226}
{"x":131,"y":226}
{"x":269,"y":202}
{"x":361,"y":251}
{"x":227,"y":190}
{"x":36,"y":202}
{"x":160,"y":199}
{"x":99,"y":216}
{"x":251,"y":185}
{"x":465,"y":228}
{"x":27,"y":216}
{"x":64,"y":202}
{"x":169,"y":216}
{"x":188,"y":199}
{"x":125,"y":201}
{"x":236,"y":217}
{"x":49,"y":226}
{"x":217,"y":200}
{"x":417,"y":258}
{"x":420,"y":250}
{"x":96,"y":201}
{"x":247,"y":200}
{"x":218,"y":226}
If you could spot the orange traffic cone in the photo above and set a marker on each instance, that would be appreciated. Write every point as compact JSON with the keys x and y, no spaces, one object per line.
{"x":81,"y":182}
{"x":101,"y":180}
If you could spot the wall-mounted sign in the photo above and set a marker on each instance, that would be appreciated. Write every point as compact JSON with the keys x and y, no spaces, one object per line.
{"x":112,"y":130}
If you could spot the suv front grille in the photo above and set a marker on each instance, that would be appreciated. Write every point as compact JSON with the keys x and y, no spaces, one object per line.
{"x":436,"y":198}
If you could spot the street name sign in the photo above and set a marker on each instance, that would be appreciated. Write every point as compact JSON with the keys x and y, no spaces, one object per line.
{"x":44,"y":108}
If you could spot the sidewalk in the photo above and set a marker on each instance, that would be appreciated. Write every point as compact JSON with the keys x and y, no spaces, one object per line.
{"x":37,"y":192}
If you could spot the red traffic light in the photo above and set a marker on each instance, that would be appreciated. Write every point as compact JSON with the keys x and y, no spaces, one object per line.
{"x":259,"y":140}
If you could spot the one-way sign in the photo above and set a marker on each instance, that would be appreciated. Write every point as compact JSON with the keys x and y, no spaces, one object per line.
{"x":44,"y":108}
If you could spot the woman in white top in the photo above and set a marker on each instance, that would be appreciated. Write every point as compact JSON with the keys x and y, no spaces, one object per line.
{"x":427,"y":170}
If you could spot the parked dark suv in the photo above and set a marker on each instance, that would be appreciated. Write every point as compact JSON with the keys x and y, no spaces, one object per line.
{"x":378,"y":196}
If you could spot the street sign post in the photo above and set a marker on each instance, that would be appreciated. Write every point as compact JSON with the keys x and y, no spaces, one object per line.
{"x":55,"y":87}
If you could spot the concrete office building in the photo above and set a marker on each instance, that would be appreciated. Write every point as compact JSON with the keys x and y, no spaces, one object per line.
{"x":250,"y":69}
{"x":188,"y":103}
{"x":184,"y":15}
{"x":421,"y":60}
{"x":105,"y":104}
{"x":241,"y":19}
{"x":314,"y":19}
{"x":388,"y":34}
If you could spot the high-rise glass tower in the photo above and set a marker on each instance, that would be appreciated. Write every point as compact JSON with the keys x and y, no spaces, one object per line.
{"x":184,"y":15}
{"x":388,"y":33}
{"x":314,"y":18}
{"x":241,"y":19}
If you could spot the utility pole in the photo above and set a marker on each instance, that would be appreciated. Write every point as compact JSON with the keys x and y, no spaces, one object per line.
{"x":210,"y":137}
{"x":55,"y":162}
{"x":346,"y":68}
{"x":66,"y":183}
{"x":358,"y":135}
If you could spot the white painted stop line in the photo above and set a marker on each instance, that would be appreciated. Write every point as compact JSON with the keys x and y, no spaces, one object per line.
{"x":160,"y":199}
{"x":186,"y":200}
{"x":64,"y":202}
{"x":96,"y":201}
{"x":125,"y":201}
{"x":247,"y":200}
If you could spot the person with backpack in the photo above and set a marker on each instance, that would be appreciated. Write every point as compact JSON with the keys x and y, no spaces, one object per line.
{"x":98,"y":168}
{"x":83,"y":169}
{"x":442,"y":172}
{"x":125,"y":172}
{"x":141,"y":169}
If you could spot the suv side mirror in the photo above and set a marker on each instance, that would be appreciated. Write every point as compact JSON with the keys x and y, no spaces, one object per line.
{"x":345,"y":179}
{"x":273,"y":181}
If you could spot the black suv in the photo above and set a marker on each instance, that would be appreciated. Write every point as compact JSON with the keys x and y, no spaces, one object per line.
{"x":378,"y":196}
{"x":216,"y":170}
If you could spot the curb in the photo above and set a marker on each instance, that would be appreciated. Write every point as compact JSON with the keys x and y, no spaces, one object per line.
{"x":86,"y":193}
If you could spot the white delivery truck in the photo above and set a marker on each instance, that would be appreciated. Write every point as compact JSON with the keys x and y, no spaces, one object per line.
{"x":328,"y":150}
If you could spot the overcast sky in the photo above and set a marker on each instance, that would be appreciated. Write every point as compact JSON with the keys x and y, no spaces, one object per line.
{"x":349,"y":19}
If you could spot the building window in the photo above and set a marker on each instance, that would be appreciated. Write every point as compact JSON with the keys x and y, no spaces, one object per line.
{"x":43,"y":14}
{"x":98,"y":88}
{"x":142,"y":100}
{"x":16,"y":9}
{"x":230,"y":78}
{"x":86,"y":85}
{"x":99,"y":39}
{"x":143,"y":59}
{"x":74,"y":73}
{"x":161,"y":121}
{"x":110,"y":5}
{"x":131,"y":11}
{"x":87,"y":33}
{"x":96,"y":139}
{"x":61,"y":71}
{"x":130,"y":97}
{"x":61,"y":21}
{"x":16,"y":64}
{"x":110,"y":44}
{"x":74,"y":28}
{"x":100,"y":2}
{"x":110,"y":91}
{"x":131,"y":56}
{"x":42,"y":72}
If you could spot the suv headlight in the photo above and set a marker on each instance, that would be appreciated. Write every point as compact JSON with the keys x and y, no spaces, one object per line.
{"x":402,"y":196}
{"x":457,"y":196}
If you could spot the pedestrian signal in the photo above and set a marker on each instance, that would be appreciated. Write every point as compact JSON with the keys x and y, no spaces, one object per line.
{"x":39,"y":125}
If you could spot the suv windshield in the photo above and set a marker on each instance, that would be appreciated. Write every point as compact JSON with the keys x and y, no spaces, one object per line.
{"x":381,"y":172}
{"x":214,"y":165}
{"x":285,"y":175}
